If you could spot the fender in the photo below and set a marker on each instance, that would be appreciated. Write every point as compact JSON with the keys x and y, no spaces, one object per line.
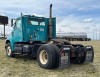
{"x":10,"y":39}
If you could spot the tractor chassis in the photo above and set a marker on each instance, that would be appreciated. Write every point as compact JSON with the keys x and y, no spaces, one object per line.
{"x":74,"y":53}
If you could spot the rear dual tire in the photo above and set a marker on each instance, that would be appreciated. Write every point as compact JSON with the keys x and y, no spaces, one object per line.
{"x":80,"y":57}
{"x":47,"y":56}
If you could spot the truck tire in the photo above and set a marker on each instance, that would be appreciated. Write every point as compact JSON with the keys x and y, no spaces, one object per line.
{"x":46,"y":56}
{"x":80,"y":59}
{"x":57,"y":55}
{"x":9,"y":52}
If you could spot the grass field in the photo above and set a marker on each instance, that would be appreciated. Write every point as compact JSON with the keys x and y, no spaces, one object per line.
{"x":25,"y":67}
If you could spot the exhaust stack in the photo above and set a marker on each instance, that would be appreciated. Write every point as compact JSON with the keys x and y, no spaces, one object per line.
{"x":50,"y":23}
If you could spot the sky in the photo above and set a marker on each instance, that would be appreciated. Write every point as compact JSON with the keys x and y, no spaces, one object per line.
{"x":71,"y":15}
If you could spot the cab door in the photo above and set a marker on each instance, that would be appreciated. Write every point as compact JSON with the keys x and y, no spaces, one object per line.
{"x":17,"y":32}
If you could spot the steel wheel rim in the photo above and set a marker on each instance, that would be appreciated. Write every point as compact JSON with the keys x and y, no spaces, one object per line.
{"x":43,"y":57}
{"x":8,"y":50}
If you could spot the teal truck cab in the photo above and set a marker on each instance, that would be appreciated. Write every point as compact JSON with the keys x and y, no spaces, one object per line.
{"x":36,"y":36}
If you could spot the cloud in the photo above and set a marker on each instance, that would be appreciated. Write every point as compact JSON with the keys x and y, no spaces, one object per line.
{"x":72,"y":15}
{"x":88,"y":20}
{"x":76,"y":24}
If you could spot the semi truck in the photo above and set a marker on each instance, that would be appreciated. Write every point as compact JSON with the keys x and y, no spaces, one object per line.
{"x":36,"y":37}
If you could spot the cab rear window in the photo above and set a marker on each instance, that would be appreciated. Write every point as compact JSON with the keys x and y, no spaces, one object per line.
{"x":36,"y":22}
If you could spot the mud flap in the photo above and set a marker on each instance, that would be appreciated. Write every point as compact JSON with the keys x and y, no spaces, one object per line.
{"x":64,"y":58}
{"x":89,"y":54}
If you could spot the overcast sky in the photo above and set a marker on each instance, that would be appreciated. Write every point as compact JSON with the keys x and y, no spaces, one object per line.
{"x":72,"y":15}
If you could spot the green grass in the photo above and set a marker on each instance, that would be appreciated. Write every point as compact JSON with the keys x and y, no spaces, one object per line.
{"x":25,"y":67}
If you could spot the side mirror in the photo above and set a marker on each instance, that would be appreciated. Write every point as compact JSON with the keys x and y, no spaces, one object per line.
{"x":11,"y":22}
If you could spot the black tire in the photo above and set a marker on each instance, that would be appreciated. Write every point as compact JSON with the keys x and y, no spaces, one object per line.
{"x":50,"y":60}
{"x":9,"y":52}
{"x":57,"y":55}
{"x":80,"y":59}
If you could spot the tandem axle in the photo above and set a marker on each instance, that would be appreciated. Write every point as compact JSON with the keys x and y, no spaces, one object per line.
{"x":60,"y":55}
